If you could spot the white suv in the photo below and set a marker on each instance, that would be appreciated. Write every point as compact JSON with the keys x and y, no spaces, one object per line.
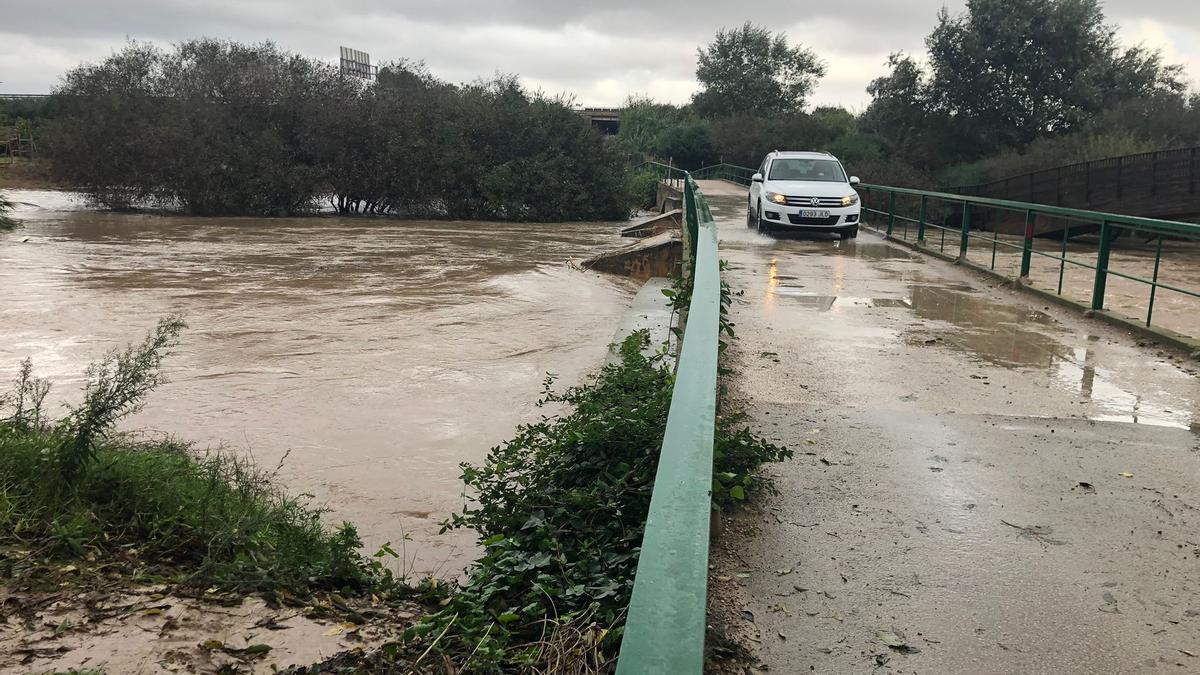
{"x":804,"y":191}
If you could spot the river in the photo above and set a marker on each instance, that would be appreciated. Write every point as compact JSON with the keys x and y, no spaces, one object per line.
{"x":376,"y":354}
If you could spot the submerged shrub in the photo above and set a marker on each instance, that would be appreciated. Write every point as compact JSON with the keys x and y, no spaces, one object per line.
{"x":6,"y":221}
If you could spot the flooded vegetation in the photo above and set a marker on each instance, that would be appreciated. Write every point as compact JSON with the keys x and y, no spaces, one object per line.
{"x":271,"y":133}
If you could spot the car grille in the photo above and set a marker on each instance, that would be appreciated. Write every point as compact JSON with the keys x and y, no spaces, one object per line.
{"x":797,"y":220}
{"x":825,"y":202}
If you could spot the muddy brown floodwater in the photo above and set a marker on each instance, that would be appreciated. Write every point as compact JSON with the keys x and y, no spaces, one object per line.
{"x":375,"y":354}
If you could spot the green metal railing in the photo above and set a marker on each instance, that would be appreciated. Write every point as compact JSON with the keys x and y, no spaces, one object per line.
{"x":947,"y":214}
{"x":667,"y":173}
{"x":730,"y":172}
{"x":664,"y":631}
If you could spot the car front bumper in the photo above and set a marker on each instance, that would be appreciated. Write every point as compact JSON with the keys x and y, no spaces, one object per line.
{"x":776,"y":215}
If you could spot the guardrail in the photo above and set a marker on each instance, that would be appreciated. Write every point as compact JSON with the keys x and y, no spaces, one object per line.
{"x":667,"y":173}
{"x":951,"y":214}
{"x":730,"y":172}
{"x":1160,"y":183}
{"x":664,"y":630}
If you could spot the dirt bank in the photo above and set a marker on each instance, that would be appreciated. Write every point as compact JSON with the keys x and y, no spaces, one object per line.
{"x":26,"y":175}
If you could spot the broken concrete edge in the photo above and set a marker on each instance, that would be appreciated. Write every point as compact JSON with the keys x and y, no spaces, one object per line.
{"x":651,"y":311}
{"x":656,"y":256}
{"x":1166,"y":336}
{"x":668,"y":198}
{"x":663,"y":222}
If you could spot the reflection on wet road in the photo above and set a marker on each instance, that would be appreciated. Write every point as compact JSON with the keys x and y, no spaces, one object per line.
{"x":891,"y":296}
{"x":381,"y":353}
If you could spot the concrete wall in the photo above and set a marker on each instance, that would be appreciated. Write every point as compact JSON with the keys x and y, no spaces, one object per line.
{"x":669,"y":198}
{"x":657,"y":256}
{"x":659,"y":224}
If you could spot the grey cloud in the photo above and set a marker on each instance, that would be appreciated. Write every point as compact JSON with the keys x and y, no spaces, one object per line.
{"x":563,"y":46}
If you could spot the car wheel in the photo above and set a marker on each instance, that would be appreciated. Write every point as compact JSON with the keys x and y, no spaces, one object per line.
{"x":749,"y":215}
{"x":851,"y":233}
{"x":758,"y":221}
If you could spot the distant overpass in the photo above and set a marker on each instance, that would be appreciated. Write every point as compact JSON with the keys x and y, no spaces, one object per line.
{"x":605,"y":120}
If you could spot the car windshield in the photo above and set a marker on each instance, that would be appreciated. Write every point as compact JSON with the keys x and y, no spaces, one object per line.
{"x":823,"y":170}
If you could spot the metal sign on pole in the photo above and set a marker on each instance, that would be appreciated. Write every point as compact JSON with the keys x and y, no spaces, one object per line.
{"x":357,"y":63}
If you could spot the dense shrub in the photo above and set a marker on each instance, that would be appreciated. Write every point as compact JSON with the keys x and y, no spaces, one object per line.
{"x":560,"y":510}
{"x":221,"y":128}
{"x":643,"y":185}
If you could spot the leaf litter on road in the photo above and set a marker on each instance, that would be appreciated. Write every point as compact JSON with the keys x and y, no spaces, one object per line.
{"x":896,"y":641}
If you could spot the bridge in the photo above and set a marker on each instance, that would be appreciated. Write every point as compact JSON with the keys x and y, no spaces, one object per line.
{"x":605,"y":120}
{"x":976,"y":461}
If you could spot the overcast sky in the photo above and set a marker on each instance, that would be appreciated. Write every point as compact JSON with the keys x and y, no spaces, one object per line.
{"x":599,"y":51}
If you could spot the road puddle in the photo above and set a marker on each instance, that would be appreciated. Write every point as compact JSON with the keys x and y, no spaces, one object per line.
{"x":1003,"y":335}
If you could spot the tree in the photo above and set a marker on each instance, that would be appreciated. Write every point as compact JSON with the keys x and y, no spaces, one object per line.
{"x":899,"y":103}
{"x":643,"y":120}
{"x":1014,"y":70}
{"x":751,"y":69}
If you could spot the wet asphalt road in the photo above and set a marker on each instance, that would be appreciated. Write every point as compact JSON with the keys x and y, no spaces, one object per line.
{"x":1004,"y":487}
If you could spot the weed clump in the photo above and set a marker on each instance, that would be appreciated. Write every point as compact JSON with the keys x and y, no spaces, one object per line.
{"x":75,"y":489}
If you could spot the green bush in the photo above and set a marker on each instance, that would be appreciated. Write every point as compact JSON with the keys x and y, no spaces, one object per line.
{"x":560,"y":511}
{"x":858,"y":147}
{"x":688,"y":144}
{"x":643,"y":185}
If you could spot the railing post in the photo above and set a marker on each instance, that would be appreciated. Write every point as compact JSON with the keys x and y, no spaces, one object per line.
{"x":1153,"y":174}
{"x":693,"y":221}
{"x":1154,"y":280}
{"x":1120,"y":171}
{"x":891,"y":212}
{"x":921,"y":215}
{"x":1106,"y":232}
{"x":966,"y":231}
{"x":1027,"y":247}
{"x":1192,"y":172}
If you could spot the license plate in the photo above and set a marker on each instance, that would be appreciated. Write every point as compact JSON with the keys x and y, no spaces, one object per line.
{"x":814,"y":214}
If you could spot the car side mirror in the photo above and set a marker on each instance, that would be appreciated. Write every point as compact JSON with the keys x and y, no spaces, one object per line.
{"x":854,"y":180}
{"x":757,"y":178}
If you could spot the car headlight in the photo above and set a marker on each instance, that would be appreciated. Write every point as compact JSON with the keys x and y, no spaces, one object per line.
{"x":850,"y":199}
{"x":776,"y":197}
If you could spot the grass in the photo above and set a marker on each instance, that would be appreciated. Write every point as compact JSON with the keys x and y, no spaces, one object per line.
{"x":75,"y":490}
{"x":204,"y":521}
